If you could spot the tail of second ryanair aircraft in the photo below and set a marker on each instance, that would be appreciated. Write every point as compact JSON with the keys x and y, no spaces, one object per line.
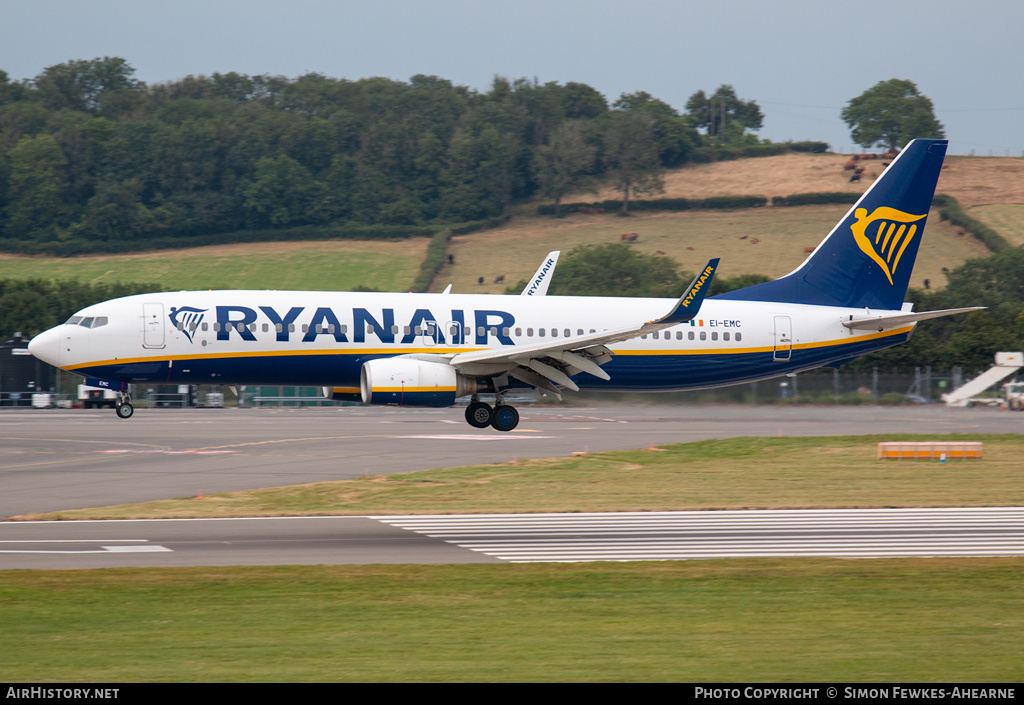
{"x":866,"y":261}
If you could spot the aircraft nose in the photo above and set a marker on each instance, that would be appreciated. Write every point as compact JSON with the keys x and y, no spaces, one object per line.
{"x":46,"y":346}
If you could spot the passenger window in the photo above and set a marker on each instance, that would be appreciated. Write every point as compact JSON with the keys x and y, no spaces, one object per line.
{"x":714,"y":336}
{"x":725,"y":336}
{"x":568,"y":333}
{"x":679,"y":335}
{"x":529,"y":332}
{"x":739,"y":337}
{"x":519,"y":332}
{"x":703,"y":335}
{"x":266,"y":327}
{"x":689,"y":335}
{"x":394,"y":330}
{"x":540,"y":332}
{"x":505,"y":331}
{"x":205,"y":326}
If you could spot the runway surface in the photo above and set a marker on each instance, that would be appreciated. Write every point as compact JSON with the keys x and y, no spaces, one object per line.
{"x":627,"y":536}
{"x":62,"y":459}
{"x":66,"y":459}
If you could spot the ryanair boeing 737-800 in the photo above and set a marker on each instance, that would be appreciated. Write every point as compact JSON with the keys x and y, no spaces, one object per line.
{"x":844,"y":301}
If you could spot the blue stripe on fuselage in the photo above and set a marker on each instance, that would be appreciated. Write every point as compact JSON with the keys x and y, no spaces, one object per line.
{"x":629,"y":371}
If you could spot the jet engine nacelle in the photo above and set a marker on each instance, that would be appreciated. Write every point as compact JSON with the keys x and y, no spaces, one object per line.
{"x":404,"y":381}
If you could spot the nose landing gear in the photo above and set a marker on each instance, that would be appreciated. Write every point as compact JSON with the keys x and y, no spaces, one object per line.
{"x":124,"y":408}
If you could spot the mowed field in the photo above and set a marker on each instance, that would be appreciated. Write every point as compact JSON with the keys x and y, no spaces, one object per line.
{"x":339,"y":265}
{"x":1007,"y":220}
{"x":770,"y":241}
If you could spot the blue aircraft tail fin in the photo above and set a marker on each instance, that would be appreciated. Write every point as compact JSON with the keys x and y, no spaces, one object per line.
{"x":866,"y":261}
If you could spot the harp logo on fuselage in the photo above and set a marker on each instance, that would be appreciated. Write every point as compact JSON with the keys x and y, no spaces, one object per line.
{"x":884,"y":235}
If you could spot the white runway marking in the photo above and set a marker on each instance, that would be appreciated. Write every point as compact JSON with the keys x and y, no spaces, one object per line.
{"x":688,"y":535}
{"x":118,"y":546}
{"x":169,"y":452}
{"x":470,"y":437}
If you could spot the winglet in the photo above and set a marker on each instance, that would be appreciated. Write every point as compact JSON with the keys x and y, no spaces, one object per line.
{"x":690,"y":302}
{"x":538,"y":285}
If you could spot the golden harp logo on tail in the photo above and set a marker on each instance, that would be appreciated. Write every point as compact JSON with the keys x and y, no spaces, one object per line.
{"x":884,"y":235}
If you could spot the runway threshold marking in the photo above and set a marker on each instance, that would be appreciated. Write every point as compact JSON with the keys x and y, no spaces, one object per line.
{"x":630,"y":536}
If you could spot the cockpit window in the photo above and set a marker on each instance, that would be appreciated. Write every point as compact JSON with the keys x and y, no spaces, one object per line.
{"x":87,"y":322}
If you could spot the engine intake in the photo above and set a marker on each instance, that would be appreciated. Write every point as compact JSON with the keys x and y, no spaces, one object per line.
{"x":403,"y":381}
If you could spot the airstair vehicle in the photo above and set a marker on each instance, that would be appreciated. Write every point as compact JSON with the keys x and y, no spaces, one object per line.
{"x":1007,"y":363}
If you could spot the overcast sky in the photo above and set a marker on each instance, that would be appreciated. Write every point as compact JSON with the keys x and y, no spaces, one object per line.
{"x":801,"y":60}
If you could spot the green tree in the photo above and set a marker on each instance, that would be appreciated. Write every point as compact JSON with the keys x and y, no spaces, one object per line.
{"x":616,"y":270}
{"x":282,"y":193}
{"x":713,"y":113}
{"x":565,"y":164}
{"x":890,"y":114}
{"x":37,"y":186}
{"x":674,"y":134}
{"x":97,"y":85}
{"x":631,"y":155}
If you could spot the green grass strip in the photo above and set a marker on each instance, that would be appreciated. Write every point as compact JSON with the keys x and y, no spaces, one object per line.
{"x":737,"y":473}
{"x":884,"y":620}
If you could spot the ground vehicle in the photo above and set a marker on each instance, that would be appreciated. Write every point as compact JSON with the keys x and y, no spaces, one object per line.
{"x":1013,"y":394}
{"x":93,"y":398}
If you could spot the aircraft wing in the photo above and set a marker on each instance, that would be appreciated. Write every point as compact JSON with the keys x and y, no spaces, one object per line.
{"x":901,"y":319}
{"x":552,"y":362}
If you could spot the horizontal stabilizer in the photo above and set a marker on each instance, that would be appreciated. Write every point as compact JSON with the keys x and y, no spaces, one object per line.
{"x":902,"y":319}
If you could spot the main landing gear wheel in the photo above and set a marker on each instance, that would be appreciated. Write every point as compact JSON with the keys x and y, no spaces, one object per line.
{"x":478,"y":415}
{"x":124,"y":410}
{"x":505,"y":418}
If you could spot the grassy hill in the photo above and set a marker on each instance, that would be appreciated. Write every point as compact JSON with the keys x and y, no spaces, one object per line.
{"x":755,"y":241}
{"x":339,"y":265}
{"x":770,"y":241}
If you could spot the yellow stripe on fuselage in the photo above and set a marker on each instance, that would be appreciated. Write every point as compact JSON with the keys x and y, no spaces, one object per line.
{"x":271,"y":353}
